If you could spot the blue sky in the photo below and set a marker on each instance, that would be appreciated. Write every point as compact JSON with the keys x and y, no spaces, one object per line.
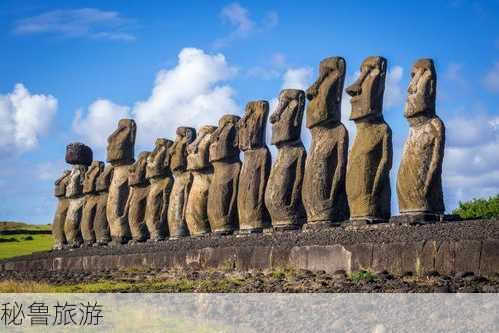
{"x":70,"y":69}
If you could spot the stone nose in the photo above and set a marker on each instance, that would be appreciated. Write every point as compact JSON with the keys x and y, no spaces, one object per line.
{"x":354,"y":90}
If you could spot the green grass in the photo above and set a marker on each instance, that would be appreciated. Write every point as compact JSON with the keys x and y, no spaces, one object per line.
{"x":362,"y":276}
{"x":7,"y":225}
{"x":24,"y":247}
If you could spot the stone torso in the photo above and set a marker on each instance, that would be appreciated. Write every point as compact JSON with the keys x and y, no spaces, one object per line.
{"x":363,"y":164}
{"x":415,"y":167}
{"x":252,"y":183}
{"x":324,"y":196}
{"x":283,"y":193}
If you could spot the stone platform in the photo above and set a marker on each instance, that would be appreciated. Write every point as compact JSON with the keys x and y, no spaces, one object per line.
{"x":448,"y":247}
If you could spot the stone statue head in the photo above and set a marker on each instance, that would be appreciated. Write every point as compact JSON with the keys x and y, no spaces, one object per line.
{"x":137,"y":171}
{"x":252,"y":125}
{"x":422,"y":89}
{"x":178,"y":159}
{"x":158,"y":162}
{"x":78,"y":153}
{"x":104,"y":179}
{"x":75,"y":183}
{"x":286,"y":119}
{"x":121,"y":143}
{"x":367,"y":91}
{"x":224,"y":141}
{"x":199,"y":150}
{"x":61,"y":183}
{"x":325,"y":94}
{"x":91,"y":175}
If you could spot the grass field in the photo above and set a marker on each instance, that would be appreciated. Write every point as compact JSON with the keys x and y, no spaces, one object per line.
{"x":23,"y":244}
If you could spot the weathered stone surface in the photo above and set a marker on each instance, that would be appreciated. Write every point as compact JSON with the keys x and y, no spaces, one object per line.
{"x":252,"y":213}
{"x":468,"y":256}
{"x":101,"y":226}
{"x":120,"y":153}
{"x":284,"y":187}
{"x":137,"y":199}
{"x":78,"y":153}
{"x":62,"y":208}
{"x":370,"y":159}
{"x":222,"y":195}
{"x":419,"y":181}
{"x":74,"y":193}
{"x":160,"y":177}
{"x":117,"y":215}
{"x":489,"y":258}
{"x":91,"y":201}
{"x":392,"y":247}
{"x":177,"y":224}
{"x":196,"y":212}
{"x":121,"y":143}
{"x":323,"y":192}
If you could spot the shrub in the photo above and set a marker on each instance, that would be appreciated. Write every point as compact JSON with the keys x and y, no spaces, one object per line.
{"x":28,"y":238}
{"x":479,"y":208}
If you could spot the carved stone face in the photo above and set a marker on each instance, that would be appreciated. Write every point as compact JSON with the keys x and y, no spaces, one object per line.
{"x":286,"y":119}
{"x":325,"y":94}
{"x":422,"y":89}
{"x":75,"y":183}
{"x":91,"y":176}
{"x":178,"y":159}
{"x":137,"y":171}
{"x":121,"y":143}
{"x":61,"y":183}
{"x":158,"y":162}
{"x":199,"y":150}
{"x":104,"y":179}
{"x":224,"y":141}
{"x":252,"y":125}
{"x":367,"y":91}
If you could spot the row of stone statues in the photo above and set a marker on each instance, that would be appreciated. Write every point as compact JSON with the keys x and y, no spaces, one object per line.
{"x":198,"y":184}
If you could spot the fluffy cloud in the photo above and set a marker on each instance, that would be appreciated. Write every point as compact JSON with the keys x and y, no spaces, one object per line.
{"x":491,"y":80}
{"x":99,"y":121}
{"x":191,"y":93}
{"x":297,"y":78}
{"x":471,"y":165}
{"x":24,"y":118}
{"x":84,"y":22}
{"x":238,"y":17}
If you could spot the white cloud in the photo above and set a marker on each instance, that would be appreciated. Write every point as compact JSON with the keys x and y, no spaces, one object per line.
{"x":239,"y":18}
{"x":190,"y":94}
{"x":24,"y":118}
{"x":99,"y":121}
{"x":491,"y":79}
{"x":471,"y":161}
{"x":394,"y":92}
{"x":297,"y":78}
{"x":84,"y":22}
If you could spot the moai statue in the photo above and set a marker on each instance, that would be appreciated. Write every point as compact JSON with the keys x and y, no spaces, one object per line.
{"x":101,"y":226}
{"x":161,"y":182}
{"x":370,"y":159}
{"x":120,"y":153}
{"x":196,"y":210}
{"x":177,"y":224}
{"x":253,"y":215}
{"x":62,"y":208}
{"x":80,"y":156}
{"x":419,"y":181}
{"x":91,"y":202}
{"x":323,"y":192}
{"x":284,"y":187}
{"x":137,"y":198}
{"x":222,"y":195}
